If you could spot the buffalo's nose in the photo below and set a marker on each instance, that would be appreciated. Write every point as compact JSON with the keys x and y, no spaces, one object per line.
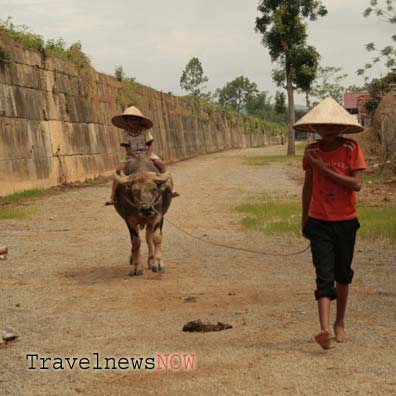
{"x":146,"y":211}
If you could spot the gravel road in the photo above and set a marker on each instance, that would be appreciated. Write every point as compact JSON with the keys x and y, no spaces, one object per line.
{"x":65,"y":292}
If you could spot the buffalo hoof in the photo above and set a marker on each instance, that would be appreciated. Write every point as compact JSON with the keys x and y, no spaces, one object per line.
{"x":162,"y":270}
{"x":154,"y":268}
{"x":135,"y":272}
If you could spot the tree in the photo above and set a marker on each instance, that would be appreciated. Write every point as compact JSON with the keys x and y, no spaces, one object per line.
{"x":193,"y":77}
{"x":119,"y":72}
{"x":236,"y":93}
{"x":259,"y":105}
{"x":305,"y":68}
{"x":378,"y":88}
{"x":280,"y":102}
{"x":327,"y":83}
{"x":284,"y":33}
{"x":387,"y":55}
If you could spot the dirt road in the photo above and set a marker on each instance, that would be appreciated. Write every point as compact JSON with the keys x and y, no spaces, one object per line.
{"x":66,"y":293}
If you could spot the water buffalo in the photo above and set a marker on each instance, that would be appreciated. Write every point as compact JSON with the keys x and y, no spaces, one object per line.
{"x":143,"y":197}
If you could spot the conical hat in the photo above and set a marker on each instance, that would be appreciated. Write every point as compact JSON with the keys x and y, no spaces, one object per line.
{"x":331,"y":113}
{"x":119,"y":120}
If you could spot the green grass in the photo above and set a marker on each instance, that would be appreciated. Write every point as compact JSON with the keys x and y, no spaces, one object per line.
{"x":10,"y":207}
{"x":378,"y":223}
{"x":272,"y":218}
{"x":16,"y":212}
{"x":284,"y":218}
{"x":22,"y":195}
{"x":270,"y":159}
{"x":300,"y":147}
{"x":376,"y":178}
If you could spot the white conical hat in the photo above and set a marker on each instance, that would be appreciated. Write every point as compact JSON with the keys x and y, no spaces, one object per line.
{"x":133,"y":111}
{"x":331,"y":113}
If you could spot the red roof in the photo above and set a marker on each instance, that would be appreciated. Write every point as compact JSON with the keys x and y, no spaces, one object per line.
{"x":351,"y":99}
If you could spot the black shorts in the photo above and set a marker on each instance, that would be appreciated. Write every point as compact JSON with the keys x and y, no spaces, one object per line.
{"x":332,"y":246}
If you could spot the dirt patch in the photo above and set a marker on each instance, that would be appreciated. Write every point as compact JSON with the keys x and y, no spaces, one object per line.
{"x":64,"y":290}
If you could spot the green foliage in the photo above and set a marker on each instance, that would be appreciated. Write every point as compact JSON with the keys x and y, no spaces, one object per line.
{"x":327,"y":83}
{"x":356,"y":88}
{"x":371,"y":105}
{"x":128,"y":95}
{"x":5,"y":56}
{"x":280,"y":102}
{"x":284,"y":34}
{"x":260,"y":106}
{"x":377,"y":88}
{"x":237,"y":93}
{"x":193,"y":77}
{"x":53,"y":47}
{"x":119,"y":73}
{"x":386,"y":12}
{"x":57,"y":48}
{"x":21,"y":35}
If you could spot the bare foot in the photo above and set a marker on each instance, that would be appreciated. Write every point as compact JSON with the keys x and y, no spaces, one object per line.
{"x":340,"y":334}
{"x":323,"y":339}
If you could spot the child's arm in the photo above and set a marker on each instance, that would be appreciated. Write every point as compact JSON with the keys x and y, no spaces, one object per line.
{"x":353,"y":182}
{"x":150,"y":149}
{"x":306,"y":195}
{"x":149,"y":143}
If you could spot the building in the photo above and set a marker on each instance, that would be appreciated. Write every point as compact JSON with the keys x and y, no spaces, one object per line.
{"x":354,"y":103}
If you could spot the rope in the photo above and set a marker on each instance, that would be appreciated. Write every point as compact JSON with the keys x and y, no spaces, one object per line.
{"x":236,"y":248}
{"x":228,"y":246}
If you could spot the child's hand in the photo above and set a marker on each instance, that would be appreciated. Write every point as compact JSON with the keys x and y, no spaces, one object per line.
{"x":315,"y":161}
{"x":132,"y":153}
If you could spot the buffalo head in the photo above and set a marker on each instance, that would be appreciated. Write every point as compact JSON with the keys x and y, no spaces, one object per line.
{"x":144,"y":190}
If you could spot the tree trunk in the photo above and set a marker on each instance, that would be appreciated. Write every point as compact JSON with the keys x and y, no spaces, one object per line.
{"x":307,"y":102}
{"x":291,"y":147}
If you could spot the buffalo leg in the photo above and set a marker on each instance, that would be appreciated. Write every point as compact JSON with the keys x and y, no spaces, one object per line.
{"x":135,"y":259}
{"x":150,"y":245}
{"x":157,"y":239}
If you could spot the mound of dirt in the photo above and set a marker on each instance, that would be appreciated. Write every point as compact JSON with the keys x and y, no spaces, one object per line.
{"x":197,"y":325}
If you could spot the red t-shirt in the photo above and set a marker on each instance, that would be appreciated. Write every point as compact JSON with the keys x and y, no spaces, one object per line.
{"x":331,"y":201}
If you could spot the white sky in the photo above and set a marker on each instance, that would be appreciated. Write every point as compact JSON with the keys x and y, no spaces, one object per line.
{"x":153,"y":40}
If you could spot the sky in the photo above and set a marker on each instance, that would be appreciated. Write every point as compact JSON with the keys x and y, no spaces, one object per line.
{"x":153,"y":40}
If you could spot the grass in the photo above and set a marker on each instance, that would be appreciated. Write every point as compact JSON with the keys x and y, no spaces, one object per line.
{"x":22,"y":195}
{"x":300,"y":146}
{"x":376,"y":178}
{"x":10,"y":207}
{"x":270,"y":159}
{"x":284,"y":218}
{"x":52,"y":47}
{"x":378,"y":223}
{"x":16,"y":212}
{"x":272,"y":218}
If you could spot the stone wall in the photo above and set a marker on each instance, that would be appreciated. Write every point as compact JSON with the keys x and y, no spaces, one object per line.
{"x":55,"y":124}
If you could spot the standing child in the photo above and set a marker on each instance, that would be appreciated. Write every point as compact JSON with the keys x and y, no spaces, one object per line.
{"x":137,"y":141}
{"x":333,"y":168}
